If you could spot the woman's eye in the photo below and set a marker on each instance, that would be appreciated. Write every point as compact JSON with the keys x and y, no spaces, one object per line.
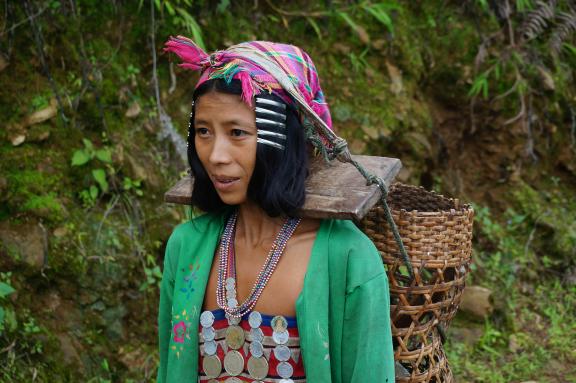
{"x":201,"y":131}
{"x":238,"y":132}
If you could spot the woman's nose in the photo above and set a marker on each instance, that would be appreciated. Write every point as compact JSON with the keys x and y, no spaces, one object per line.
{"x":220,"y":151}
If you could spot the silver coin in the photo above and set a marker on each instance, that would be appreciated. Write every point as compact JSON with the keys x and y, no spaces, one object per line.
{"x":235,"y":337}
{"x":232,"y":303}
{"x":282,"y":353}
{"x":283,"y":369}
{"x":234,"y":363}
{"x":280,"y":337}
{"x":256,"y":349}
{"x":257,"y":335}
{"x":233,"y":320}
{"x":208,"y":333}
{"x":283,"y":381}
{"x":279,"y":323}
{"x":212,"y":366}
{"x":255,"y":319}
{"x":258,"y":367}
{"x":230,"y":283}
{"x":207,"y":319}
{"x":233,"y":379}
{"x":210,"y":347}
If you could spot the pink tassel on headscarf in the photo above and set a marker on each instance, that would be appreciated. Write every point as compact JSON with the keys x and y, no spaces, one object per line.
{"x":192,"y":55}
{"x":248,"y":87}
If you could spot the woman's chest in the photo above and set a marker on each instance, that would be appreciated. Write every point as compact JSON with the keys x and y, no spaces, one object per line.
{"x":279,"y":292}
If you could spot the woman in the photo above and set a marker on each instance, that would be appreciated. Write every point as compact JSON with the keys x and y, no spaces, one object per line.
{"x":250,"y":292}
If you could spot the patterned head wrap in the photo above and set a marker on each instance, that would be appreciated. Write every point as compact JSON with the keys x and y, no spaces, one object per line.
{"x":263,"y":68}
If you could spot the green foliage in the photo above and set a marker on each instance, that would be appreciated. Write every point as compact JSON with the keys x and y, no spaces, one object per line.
{"x":381,"y":12}
{"x":135,"y":185}
{"x":83,"y":157}
{"x":5,"y":290}
{"x":181,"y":17}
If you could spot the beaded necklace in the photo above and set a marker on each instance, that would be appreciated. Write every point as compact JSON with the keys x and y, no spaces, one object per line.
{"x":226,"y":288}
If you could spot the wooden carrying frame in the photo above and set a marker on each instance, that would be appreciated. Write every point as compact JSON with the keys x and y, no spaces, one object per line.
{"x":333,"y":189}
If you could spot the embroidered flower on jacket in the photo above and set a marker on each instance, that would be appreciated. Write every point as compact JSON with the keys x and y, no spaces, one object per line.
{"x":179,"y":331}
{"x":189,"y":278}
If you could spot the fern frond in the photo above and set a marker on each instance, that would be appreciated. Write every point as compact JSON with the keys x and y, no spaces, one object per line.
{"x":538,"y":20}
{"x":565,"y":30}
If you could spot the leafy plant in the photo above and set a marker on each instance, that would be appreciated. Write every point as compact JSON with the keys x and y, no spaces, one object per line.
{"x":134,"y":185}
{"x":85,"y":155}
{"x":5,"y":290}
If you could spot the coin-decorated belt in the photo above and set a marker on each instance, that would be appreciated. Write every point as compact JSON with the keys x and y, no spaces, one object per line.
{"x":254,"y":348}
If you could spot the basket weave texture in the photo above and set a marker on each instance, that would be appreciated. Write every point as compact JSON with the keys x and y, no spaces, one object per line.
{"x":437,"y":234}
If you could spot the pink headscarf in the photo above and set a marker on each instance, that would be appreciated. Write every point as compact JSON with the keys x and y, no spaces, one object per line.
{"x":282,"y":69}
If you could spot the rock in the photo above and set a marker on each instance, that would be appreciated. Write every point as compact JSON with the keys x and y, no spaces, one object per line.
{"x":42,"y":114}
{"x":69,"y":348}
{"x":466,"y":335}
{"x":60,"y":232}
{"x":395,"y":74}
{"x":17,"y":139}
{"x":379,"y":44}
{"x":142,"y":170}
{"x":133,"y":359}
{"x":546,"y":79}
{"x":51,"y":301}
{"x":27,"y":243}
{"x":342,"y":48}
{"x":113,"y":318}
{"x":133,"y":110}
{"x":513,"y":345}
{"x":476,"y":301}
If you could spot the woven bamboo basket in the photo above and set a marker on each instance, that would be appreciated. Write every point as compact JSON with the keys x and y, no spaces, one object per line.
{"x":437,"y":234}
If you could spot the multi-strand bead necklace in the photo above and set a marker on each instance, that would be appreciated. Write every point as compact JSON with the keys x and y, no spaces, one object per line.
{"x":226,"y":288}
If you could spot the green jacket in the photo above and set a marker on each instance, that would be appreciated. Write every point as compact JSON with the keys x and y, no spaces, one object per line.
{"x":343,"y":311}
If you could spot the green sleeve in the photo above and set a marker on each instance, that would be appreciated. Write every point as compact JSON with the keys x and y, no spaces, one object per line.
{"x":367,"y":354}
{"x":165,"y":308}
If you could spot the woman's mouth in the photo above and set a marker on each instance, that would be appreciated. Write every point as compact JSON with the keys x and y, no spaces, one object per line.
{"x":224,"y":183}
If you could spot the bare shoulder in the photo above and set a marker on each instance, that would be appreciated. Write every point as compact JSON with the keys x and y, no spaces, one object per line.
{"x":307,"y":230}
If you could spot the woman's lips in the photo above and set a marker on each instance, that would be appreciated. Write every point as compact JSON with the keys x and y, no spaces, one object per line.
{"x":224,"y":183}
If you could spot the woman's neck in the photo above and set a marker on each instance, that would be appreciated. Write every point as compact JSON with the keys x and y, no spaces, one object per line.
{"x":255,"y":228}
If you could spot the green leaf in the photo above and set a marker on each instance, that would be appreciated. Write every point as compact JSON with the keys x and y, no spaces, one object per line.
{"x":378,"y":11}
{"x":88,"y":144}
{"x":360,"y":31}
{"x":315,"y":26}
{"x":169,"y":8}
{"x":480,"y":86}
{"x":192,"y":26}
{"x":570,"y":48}
{"x":93,"y":192}
{"x":80,"y":157}
{"x":222,"y":6}
{"x":104,"y":155}
{"x":100,"y":177}
{"x":1,"y":317}
{"x":5,"y":289}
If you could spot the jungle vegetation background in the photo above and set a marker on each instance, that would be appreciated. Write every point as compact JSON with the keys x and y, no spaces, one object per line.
{"x":476,"y":97}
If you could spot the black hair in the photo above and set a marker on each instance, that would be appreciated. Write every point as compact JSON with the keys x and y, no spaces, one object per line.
{"x":277,"y":183}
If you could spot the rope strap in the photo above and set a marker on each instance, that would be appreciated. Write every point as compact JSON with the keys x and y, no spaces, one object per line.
{"x":339,"y":150}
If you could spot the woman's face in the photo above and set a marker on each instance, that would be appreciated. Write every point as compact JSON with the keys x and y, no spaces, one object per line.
{"x":225,"y":140}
